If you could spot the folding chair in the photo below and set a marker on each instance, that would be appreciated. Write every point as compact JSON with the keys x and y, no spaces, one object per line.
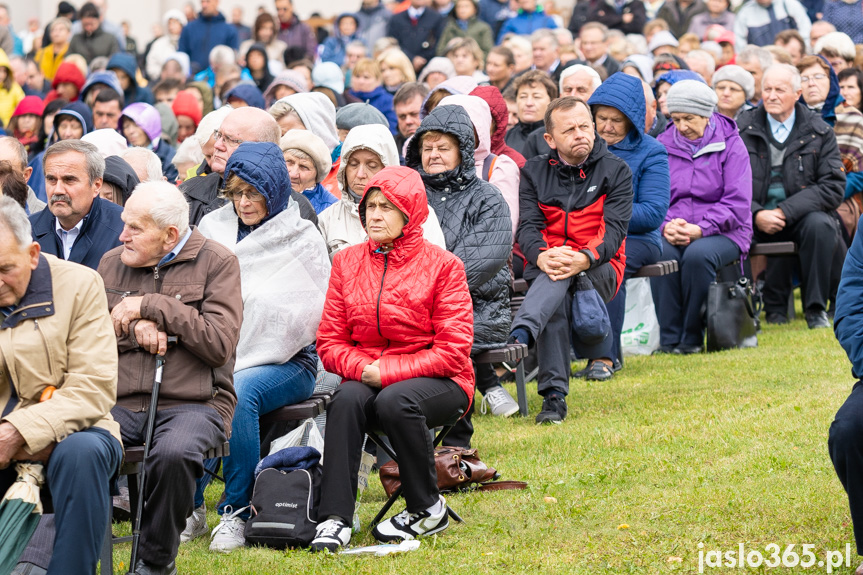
{"x":378,"y":440}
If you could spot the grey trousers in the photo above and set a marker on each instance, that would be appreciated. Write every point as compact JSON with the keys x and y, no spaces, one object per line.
{"x":546,"y":315}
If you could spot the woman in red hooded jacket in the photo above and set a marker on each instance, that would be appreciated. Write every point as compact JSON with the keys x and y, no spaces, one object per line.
{"x":398,"y":327}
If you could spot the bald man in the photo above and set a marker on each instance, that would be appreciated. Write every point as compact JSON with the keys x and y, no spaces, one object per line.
{"x":242,"y":125}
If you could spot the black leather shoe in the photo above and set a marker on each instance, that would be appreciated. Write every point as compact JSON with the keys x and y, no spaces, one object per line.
{"x":144,"y":568}
{"x":817,"y":319}
{"x":665,"y":349}
{"x":776,"y":318}
{"x":688,"y":349}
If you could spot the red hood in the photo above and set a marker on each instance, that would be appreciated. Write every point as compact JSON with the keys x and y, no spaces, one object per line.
{"x":68,"y":72}
{"x":404,"y":188}
{"x":499,"y":112}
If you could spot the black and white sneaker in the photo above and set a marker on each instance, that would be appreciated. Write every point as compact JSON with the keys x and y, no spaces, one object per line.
{"x":407,"y":525}
{"x":553,"y":409}
{"x":331,"y":535}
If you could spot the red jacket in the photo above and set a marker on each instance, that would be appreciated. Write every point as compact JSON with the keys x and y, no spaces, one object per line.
{"x":410,"y":308}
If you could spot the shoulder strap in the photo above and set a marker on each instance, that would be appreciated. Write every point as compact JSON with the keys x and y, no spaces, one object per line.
{"x":502,"y":485}
{"x":488,"y":166}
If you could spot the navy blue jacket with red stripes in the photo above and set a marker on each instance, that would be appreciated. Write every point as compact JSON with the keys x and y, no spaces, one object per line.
{"x":587,"y":207}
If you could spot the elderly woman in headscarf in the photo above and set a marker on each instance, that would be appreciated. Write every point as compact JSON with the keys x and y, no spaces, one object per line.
{"x":397,"y":327}
{"x":367,"y":150}
{"x":618,"y":107}
{"x":316,"y":113}
{"x":308,"y":162}
{"x":477,"y":227}
{"x":285,"y":270}
{"x":119,"y":180}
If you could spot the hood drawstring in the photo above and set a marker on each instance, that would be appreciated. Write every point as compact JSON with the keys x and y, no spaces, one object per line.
{"x":581,"y":174}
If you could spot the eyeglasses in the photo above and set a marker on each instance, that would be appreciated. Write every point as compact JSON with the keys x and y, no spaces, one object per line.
{"x":816,"y":77}
{"x":217,"y":135}
{"x":254,"y":197}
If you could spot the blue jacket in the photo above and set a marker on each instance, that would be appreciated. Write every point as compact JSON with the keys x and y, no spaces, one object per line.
{"x":134,"y":93}
{"x":383,"y":101}
{"x":99,"y":233}
{"x":848,"y":320}
{"x":526,"y":24}
{"x":202,"y":35}
{"x":335,"y":46}
{"x":320,"y":198}
{"x":262,"y":165}
{"x":646,"y":157}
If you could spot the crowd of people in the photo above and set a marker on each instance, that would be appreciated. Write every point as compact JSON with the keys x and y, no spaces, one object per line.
{"x":291,"y":199}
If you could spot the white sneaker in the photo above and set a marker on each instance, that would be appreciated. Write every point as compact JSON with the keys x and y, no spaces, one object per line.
{"x":229,"y":534}
{"x":500,"y":402}
{"x":406,"y":525}
{"x":196,"y":525}
{"x":331,"y":535}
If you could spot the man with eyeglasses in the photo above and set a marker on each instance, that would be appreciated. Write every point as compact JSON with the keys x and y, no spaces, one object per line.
{"x":798,"y":181}
{"x":241,"y":125}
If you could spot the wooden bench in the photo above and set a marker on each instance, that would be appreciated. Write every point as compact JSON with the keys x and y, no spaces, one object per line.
{"x":133,"y":458}
{"x":656,"y":270}
{"x":512,"y":354}
{"x":773,"y":249}
{"x":310,"y":408}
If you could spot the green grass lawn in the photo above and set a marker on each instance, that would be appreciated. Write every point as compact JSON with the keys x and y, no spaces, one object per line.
{"x":720,"y":449}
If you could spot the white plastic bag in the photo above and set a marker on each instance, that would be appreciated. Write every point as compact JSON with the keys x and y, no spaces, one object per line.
{"x":640,"y":334}
{"x":306,"y":435}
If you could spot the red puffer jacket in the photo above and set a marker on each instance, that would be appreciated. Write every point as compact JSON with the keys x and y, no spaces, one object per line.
{"x":410,"y":308}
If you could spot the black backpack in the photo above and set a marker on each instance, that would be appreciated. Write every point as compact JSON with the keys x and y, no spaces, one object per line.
{"x":284,"y":508}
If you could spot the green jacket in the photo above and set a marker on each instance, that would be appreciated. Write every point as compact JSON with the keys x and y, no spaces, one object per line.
{"x":476,"y":29}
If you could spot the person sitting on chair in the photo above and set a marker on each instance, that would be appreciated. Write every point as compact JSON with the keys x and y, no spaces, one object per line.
{"x":285,"y":270}
{"x":47,"y":302}
{"x":398,"y":327}
{"x":168,"y":279}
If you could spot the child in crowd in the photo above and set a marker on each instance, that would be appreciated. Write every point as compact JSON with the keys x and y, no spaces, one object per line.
{"x":367,"y":86}
{"x":25,"y":124}
{"x":466,"y":57}
{"x":335,"y":47}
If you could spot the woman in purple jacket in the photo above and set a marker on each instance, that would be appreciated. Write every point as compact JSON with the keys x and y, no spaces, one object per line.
{"x":709,"y":221}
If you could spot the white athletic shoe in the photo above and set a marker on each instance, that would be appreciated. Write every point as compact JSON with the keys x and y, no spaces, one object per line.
{"x":229,"y":534}
{"x":331,"y":535}
{"x":407,"y":525}
{"x":500,"y":401}
{"x":196,"y":525}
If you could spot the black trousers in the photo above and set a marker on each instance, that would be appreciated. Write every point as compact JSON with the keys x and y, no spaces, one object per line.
{"x":181,"y":437}
{"x":817,"y":237}
{"x":546,"y":314}
{"x":404,"y":411}
{"x":845,"y":444}
{"x":462,"y":433}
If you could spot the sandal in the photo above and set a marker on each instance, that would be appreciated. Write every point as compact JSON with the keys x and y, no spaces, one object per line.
{"x":598,"y":371}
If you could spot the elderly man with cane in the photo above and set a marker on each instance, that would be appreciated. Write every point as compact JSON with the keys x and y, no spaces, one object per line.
{"x":55,"y":332}
{"x":169,"y":280}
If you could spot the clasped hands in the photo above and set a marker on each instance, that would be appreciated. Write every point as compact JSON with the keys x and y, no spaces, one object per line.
{"x":678,"y":232}
{"x":12,"y":447}
{"x":372,"y":374}
{"x":562,"y":262}
{"x":770,"y":221}
{"x":146,"y":331}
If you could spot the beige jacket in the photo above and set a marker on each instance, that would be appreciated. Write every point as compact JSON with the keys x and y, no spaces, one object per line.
{"x":60,"y":334}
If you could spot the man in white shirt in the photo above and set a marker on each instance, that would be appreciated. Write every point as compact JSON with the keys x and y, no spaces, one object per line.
{"x":78,"y":225}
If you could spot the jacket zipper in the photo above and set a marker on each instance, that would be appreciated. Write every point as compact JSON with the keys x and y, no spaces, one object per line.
{"x":122,"y":294}
{"x":380,"y":292}
{"x":568,"y":206}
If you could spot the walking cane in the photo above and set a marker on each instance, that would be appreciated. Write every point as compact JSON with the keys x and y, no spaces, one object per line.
{"x":148,"y":439}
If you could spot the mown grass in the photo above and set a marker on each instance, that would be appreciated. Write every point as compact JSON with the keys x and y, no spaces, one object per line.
{"x":719,"y":449}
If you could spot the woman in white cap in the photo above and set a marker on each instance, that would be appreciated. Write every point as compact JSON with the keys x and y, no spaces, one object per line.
{"x":734,"y":88}
{"x":166,"y":45}
{"x":308,"y":161}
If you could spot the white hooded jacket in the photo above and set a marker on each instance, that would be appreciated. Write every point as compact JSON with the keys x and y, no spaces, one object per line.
{"x":340,"y":223}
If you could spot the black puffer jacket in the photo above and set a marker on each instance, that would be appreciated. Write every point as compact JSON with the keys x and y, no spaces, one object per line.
{"x":476,"y":225}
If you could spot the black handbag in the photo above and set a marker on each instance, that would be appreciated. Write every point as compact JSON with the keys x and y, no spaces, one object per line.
{"x":733,"y":308}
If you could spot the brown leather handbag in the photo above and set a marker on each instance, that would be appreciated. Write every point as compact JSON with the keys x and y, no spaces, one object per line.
{"x":458,"y":469}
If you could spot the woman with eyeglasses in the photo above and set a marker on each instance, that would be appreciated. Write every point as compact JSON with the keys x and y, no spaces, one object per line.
{"x":285,"y":271}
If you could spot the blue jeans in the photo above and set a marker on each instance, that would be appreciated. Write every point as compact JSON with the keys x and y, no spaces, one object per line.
{"x":260,"y":390}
